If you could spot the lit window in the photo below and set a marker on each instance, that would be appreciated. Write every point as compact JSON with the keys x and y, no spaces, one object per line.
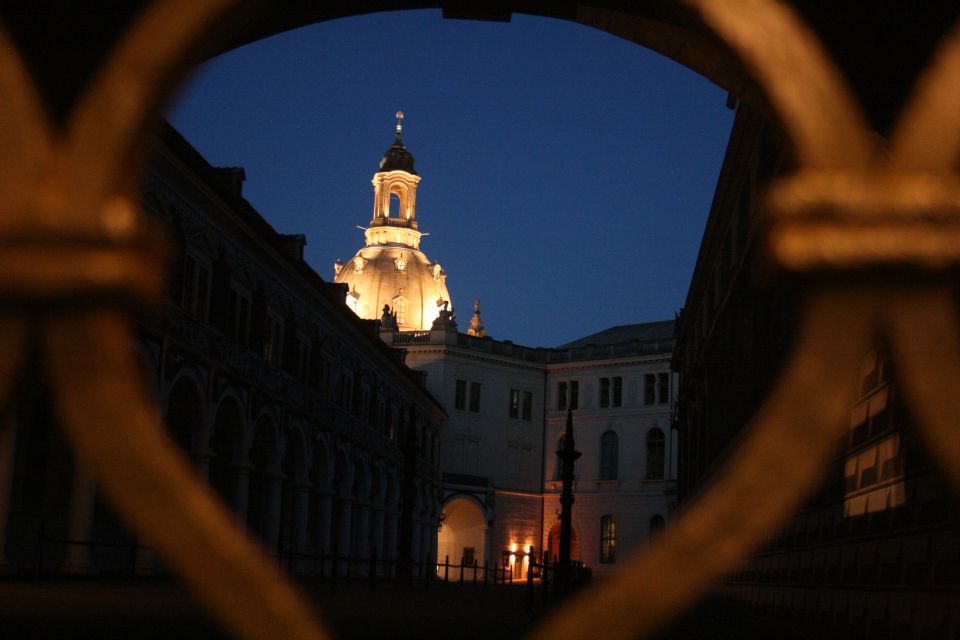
{"x":609,"y":453}
{"x":868,"y":467}
{"x":400,"y":308}
{"x":514,"y":409}
{"x":273,"y":345}
{"x":655,"y":454}
{"x":353,"y":301}
{"x":608,"y":539}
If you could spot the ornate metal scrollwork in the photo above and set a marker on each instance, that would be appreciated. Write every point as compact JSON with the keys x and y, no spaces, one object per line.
{"x":69,"y":192}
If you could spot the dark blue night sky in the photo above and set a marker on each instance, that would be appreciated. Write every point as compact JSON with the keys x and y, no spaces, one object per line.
{"x":566,"y":174}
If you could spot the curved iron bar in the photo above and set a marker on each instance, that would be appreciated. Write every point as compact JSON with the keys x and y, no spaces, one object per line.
{"x":927,"y":134}
{"x":923,"y":328}
{"x":819,"y":114}
{"x":780,"y":461}
{"x":114,"y":427}
{"x":125,"y":95}
{"x":24,"y":138}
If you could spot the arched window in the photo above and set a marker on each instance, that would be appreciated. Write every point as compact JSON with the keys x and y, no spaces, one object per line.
{"x":608,"y":539}
{"x":655,"y":454}
{"x":657,"y":524}
{"x":609,"y":455}
{"x":395,"y":205}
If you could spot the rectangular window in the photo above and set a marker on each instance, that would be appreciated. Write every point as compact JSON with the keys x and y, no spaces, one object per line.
{"x":469,"y":556}
{"x":475,"y":397}
{"x":273,"y":345}
{"x":195,"y":294}
{"x":528,"y":405}
{"x":203,"y":292}
{"x":568,"y":395}
{"x":303,"y":357}
{"x":514,"y":403}
{"x":611,"y":392}
{"x":663,"y":396}
{"x":239,"y":315}
{"x":649,"y":389}
{"x":460,"y":401}
{"x":608,"y":539}
{"x":189,"y":282}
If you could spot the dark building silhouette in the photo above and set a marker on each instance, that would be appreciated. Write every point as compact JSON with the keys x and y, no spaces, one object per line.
{"x":290,"y":406}
{"x":876,"y":552}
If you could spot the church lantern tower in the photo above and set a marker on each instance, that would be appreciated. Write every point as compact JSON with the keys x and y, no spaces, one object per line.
{"x":390,"y":270}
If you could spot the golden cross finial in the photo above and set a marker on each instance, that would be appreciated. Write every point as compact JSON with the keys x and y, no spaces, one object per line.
{"x":399,"y":121}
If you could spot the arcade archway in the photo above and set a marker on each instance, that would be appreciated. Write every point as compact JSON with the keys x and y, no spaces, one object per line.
{"x":462,"y":536}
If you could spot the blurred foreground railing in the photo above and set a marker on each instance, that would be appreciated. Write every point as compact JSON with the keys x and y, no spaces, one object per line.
{"x":870,"y":233}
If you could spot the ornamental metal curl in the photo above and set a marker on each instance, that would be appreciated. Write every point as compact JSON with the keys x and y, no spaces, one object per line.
{"x":71,"y":192}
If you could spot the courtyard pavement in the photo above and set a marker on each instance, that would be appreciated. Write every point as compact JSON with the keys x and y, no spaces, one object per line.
{"x":161,"y":610}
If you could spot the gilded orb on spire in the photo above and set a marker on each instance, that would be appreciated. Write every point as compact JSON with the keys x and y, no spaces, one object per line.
{"x":399,"y":121}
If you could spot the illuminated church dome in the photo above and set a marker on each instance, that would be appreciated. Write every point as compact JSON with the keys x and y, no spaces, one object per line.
{"x":391,"y":270}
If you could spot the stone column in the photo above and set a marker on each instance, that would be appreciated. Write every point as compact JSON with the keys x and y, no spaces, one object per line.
{"x":415,"y":536}
{"x":298,"y":533}
{"x":377,"y":536}
{"x":344,"y":517}
{"x":390,"y":518}
{"x":8,"y":447}
{"x":241,"y":491}
{"x":272,"y":487}
{"x":83,"y":497}
{"x":361,"y":538}
{"x":324,"y":522}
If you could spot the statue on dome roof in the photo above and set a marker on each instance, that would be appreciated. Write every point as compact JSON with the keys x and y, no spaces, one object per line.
{"x":446,"y":320}
{"x":476,"y":325}
{"x":389,"y":318}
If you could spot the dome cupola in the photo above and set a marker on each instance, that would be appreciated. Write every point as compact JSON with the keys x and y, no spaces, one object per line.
{"x":391,"y":271}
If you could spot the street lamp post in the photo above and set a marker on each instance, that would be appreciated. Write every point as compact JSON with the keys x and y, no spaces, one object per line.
{"x":568,"y":455}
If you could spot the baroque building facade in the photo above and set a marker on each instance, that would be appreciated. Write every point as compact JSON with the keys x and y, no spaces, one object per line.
{"x":507,"y":406}
{"x":288,"y":405}
{"x":876,"y":551}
